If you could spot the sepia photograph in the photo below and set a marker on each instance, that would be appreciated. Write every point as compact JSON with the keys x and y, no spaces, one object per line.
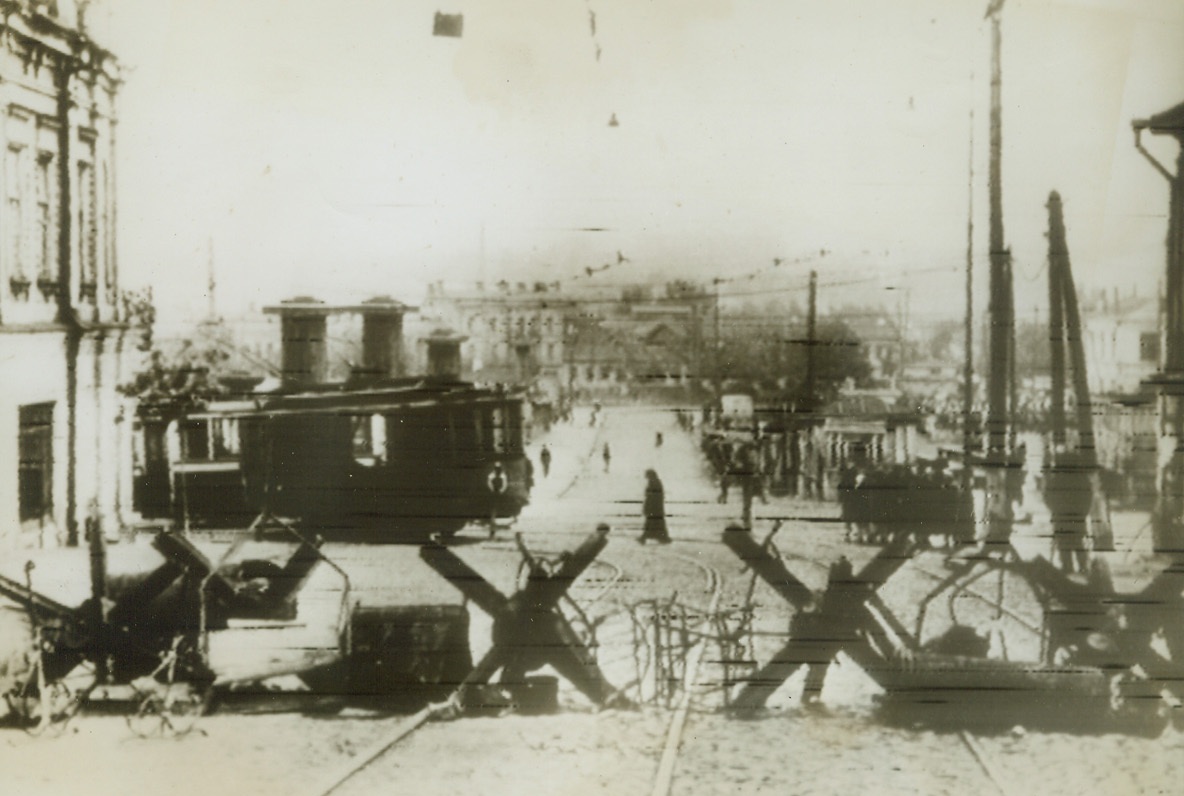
{"x":572,"y":397}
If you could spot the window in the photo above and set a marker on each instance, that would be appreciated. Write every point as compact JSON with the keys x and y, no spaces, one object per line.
{"x":480,"y":423}
{"x":195,"y":440}
{"x":1149,"y":347}
{"x":13,"y":180}
{"x":225,"y":437}
{"x":109,"y":277}
{"x":87,"y":231}
{"x":35,"y":474}
{"x":497,"y":428}
{"x":369,"y":439}
{"x":45,"y":233}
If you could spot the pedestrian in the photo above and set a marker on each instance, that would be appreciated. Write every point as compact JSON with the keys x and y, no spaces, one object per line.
{"x":654,"y":511}
{"x":658,"y":440}
{"x":607,"y":455}
{"x":545,"y":460}
{"x":747,"y":478}
{"x":498,"y":482}
{"x":846,"y":490}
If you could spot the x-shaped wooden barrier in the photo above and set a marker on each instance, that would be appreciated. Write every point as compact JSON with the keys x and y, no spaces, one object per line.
{"x":837,"y":620}
{"x":529,"y":630}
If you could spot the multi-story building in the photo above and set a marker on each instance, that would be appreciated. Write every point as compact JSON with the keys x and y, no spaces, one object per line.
{"x":64,"y":430}
{"x":591,"y":341}
{"x":512,"y":333}
{"x":1122,"y":340}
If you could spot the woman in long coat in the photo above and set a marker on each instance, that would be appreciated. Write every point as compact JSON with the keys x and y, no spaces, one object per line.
{"x":654,"y":510}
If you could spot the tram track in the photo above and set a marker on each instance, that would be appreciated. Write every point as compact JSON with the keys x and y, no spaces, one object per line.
{"x":619,"y":571}
{"x":613,"y":575}
{"x":713,"y":586}
{"x":664,"y":778}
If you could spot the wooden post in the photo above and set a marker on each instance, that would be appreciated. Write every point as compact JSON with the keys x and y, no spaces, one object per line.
{"x":1168,"y":516}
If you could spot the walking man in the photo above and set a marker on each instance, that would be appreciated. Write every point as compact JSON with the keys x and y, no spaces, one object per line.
{"x":498,"y":482}
{"x":747,"y":477}
{"x":654,"y":510}
{"x":545,"y":460}
{"x":608,"y":457}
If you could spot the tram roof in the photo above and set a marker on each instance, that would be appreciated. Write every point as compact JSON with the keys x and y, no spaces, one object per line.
{"x":357,"y":401}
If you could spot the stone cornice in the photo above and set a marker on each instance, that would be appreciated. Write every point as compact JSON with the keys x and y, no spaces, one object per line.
{"x":43,"y":35}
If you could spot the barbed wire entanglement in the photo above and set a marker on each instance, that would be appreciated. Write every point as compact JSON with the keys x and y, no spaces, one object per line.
{"x":665,"y":631}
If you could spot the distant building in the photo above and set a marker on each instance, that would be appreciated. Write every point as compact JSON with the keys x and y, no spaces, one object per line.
{"x":1122,"y":340}
{"x":936,"y":379}
{"x":881,"y":339}
{"x":515,"y":332}
{"x":65,"y":445}
{"x":593,"y":342}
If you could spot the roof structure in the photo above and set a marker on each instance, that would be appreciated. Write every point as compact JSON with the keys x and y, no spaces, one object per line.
{"x":1169,"y":122}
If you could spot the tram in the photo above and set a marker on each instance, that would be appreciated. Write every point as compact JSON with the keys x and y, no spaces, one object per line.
{"x":402,"y":458}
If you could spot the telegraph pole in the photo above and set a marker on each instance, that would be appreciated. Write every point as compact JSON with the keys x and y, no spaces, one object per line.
{"x":1001,"y":311}
{"x":715,"y":352}
{"x":968,"y":434}
{"x":811,"y":341}
{"x":211,"y":281}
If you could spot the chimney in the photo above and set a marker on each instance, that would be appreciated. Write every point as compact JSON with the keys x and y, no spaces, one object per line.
{"x":303,"y":341}
{"x":382,"y":338}
{"x":444,"y":361}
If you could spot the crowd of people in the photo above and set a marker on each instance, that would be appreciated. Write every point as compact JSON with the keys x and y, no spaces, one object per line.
{"x":924,"y":499}
{"x":737,"y":464}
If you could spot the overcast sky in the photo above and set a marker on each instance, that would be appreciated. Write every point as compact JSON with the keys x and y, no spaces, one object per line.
{"x":339,"y":148}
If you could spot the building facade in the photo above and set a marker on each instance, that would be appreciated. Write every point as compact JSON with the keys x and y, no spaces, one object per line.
{"x":513,"y":333}
{"x":1122,"y":340}
{"x":64,"y":348}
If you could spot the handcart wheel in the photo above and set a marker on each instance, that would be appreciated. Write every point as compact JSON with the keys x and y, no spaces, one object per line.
{"x":43,"y":712}
{"x":171,"y":712}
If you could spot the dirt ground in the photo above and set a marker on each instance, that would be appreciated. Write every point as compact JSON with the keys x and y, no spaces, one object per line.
{"x":840,"y":748}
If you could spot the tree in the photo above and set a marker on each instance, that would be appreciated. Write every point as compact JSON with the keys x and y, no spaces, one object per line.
{"x":177,"y":378}
{"x":769,"y":356}
{"x":181,"y":379}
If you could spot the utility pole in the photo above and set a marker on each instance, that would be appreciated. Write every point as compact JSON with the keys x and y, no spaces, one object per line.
{"x":1168,"y":516}
{"x":1059,"y":254}
{"x":1056,"y":336}
{"x":715,"y":353}
{"x":903,"y":309}
{"x":1000,"y":308}
{"x":811,"y":341}
{"x":211,"y":281}
{"x":968,"y":431}
{"x":1000,"y":392}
